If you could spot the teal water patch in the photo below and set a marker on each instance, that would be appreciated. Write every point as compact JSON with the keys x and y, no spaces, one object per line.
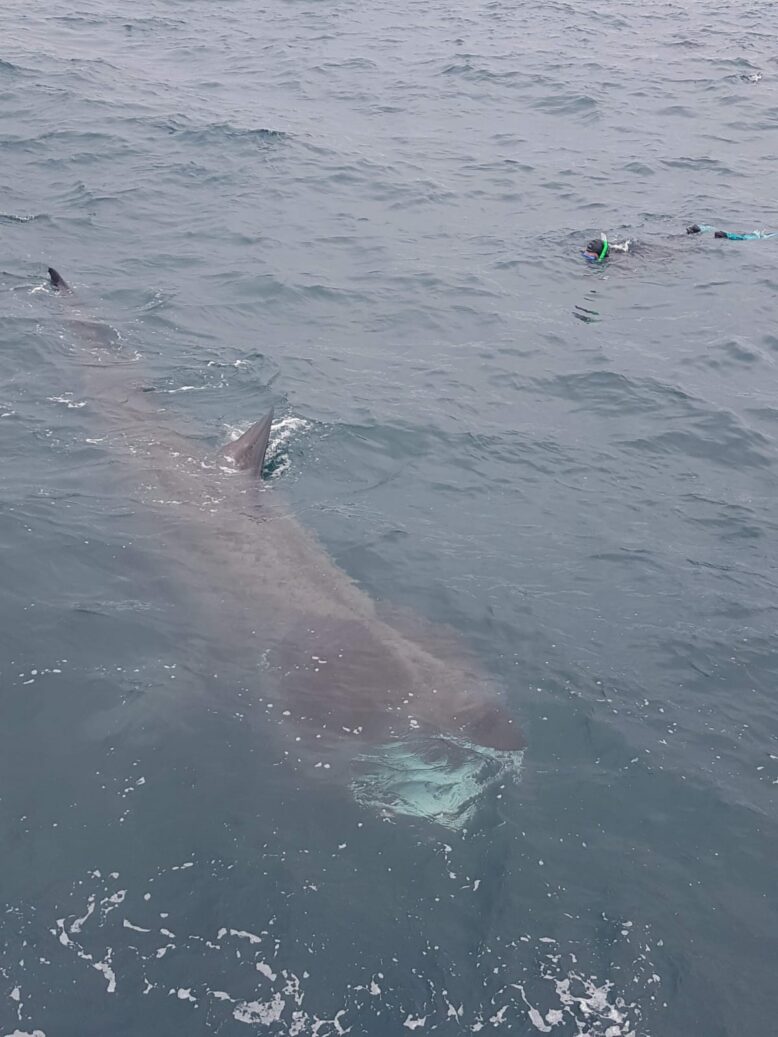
{"x":439,"y":779}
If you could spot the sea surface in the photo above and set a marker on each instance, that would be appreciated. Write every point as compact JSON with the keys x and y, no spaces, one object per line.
{"x":370,"y":217}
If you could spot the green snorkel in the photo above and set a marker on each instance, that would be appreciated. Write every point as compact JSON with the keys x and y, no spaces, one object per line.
{"x":597,"y":251}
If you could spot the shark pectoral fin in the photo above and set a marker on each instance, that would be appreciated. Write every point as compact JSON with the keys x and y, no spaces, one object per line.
{"x":248,"y":452}
{"x":58,"y":282}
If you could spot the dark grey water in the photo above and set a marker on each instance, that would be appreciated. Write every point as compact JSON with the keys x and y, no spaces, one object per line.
{"x":369,"y":217}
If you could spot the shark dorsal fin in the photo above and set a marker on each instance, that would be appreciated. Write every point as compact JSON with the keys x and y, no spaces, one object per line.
{"x":58,"y":282}
{"x":248,"y":452}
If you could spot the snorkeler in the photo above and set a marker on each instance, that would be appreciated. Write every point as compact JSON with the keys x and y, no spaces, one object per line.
{"x":600,"y":249}
{"x":703,"y":228}
{"x":597,"y":251}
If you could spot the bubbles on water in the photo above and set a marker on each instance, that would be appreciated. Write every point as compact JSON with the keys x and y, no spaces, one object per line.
{"x":580,"y":1004}
{"x":260,"y":975}
{"x":10,"y":217}
{"x":67,"y":399}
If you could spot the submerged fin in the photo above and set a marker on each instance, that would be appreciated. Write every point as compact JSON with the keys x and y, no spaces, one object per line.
{"x":248,"y":452}
{"x":58,"y":282}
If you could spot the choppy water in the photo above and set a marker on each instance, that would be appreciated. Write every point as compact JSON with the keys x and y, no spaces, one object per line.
{"x":369,"y":216}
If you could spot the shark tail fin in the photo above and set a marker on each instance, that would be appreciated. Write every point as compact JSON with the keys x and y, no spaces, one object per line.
{"x":248,"y":452}
{"x":58,"y":282}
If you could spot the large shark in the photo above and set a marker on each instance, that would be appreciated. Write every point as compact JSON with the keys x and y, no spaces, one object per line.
{"x":395,"y":705}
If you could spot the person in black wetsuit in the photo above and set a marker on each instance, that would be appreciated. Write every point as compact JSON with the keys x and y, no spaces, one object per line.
{"x":703,"y":228}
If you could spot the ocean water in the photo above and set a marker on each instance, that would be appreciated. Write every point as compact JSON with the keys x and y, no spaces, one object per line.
{"x":369,"y":217}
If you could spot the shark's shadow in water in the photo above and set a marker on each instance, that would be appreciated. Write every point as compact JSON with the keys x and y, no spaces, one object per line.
{"x":397,"y":710}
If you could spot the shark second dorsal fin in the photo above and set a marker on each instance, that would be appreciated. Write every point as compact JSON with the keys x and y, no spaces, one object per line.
{"x":248,"y":452}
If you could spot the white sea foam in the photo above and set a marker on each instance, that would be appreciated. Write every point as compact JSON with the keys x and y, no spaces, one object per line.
{"x":542,"y":983}
{"x":68,"y":401}
{"x":262,"y":1012}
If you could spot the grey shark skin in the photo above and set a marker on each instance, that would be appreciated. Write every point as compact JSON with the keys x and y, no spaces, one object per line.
{"x":373,"y":693}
